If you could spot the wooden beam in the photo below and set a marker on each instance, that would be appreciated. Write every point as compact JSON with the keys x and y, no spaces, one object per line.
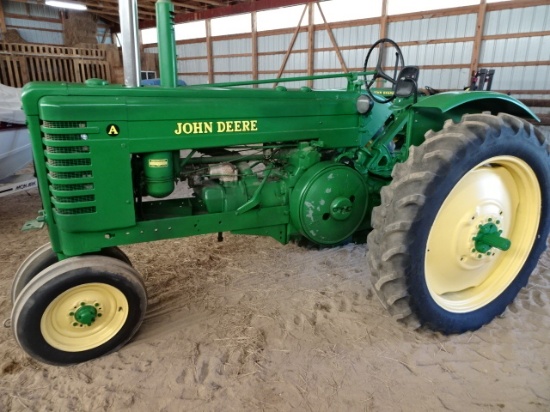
{"x":23,"y":17}
{"x":333,"y":40}
{"x":254,"y":39}
{"x":310,"y":45}
{"x":209,"y":51}
{"x":3,"y":28}
{"x":290,"y":46}
{"x":244,"y":7}
{"x":478,"y":37}
{"x":384,"y":20}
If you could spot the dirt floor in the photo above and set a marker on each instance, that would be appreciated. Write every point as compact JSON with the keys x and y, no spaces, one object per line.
{"x":251,"y":325}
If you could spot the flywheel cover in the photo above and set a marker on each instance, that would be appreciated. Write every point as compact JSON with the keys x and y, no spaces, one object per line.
{"x":329,"y":202}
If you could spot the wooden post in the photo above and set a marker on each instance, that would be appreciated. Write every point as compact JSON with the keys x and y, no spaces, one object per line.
{"x":255,"y":62}
{"x":310,"y":46}
{"x":209,"y":51}
{"x":3,"y":28}
{"x":384,"y":20}
{"x":383,"y":30}
{"x":480,"y":25}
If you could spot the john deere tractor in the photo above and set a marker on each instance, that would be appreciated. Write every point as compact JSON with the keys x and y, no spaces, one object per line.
{"x":450,"y":187}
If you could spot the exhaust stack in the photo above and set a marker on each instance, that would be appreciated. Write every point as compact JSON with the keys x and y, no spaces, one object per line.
{"x":166,"y":43}
{"x":129,"y":26}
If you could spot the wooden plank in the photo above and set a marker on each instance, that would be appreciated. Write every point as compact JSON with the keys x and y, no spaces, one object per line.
{"x":31,"y":63}
{"x":209,"y":50}
{"x":333,"y":40}
{"x":480,"y":24}
{"x":291,"y":46}
{"x":17,"y":72}
{"x":25,"y":78}
{"x":3,"y":28}
{"x":29,"y":17}
{"x":11,"y":77}
{"x":76,"y":68}
{"x":516,"y":4}
{"x":3,"y":71}
{"x":310,"y":44}
{"x":516,"y":35}
{"x":35,"y":28}
{"x":384,"y":20}
{"x":515,"y":64}
{"x":255,"y":62}
{"x":49,"y":68}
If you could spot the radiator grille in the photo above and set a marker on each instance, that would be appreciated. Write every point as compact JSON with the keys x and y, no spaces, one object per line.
{"x":75,"y":199}
{"x":64,"y":125}
{"x":70,"y":162}
{"x":69,"y":165}
{"x":62,"y":137}
{"x":68,"y":150}
{"x":70,"y":188}
{"x":76,"y":210}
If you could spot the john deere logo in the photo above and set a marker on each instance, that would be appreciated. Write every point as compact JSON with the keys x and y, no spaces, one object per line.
{"x":113,"y":130}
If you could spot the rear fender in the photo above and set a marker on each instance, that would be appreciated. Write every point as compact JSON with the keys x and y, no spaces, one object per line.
{"x":430,"y":113}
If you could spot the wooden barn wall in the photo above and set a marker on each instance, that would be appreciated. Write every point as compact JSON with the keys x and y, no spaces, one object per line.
{"x":511,"y":37}
{"x":22,"y":63}
{"x":22,"y":22}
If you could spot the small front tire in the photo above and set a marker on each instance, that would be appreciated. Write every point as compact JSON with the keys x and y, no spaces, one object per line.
{"x":79,"y":309}
{"x":43,"y":257}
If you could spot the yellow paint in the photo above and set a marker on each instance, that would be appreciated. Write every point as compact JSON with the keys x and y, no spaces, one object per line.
{"x":503,"y":190}
{"x":57,"y":325}
{"x":226,"y":126}
{"x":113,"y":131}
{"x":158,"y":163}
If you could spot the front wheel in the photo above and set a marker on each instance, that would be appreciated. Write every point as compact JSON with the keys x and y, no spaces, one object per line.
{"x":79,"y":309}
{"x":43,"y":257}
{"x":463,"y":223}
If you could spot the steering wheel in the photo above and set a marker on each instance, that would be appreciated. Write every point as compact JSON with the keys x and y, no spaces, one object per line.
{"x":379,"y":72}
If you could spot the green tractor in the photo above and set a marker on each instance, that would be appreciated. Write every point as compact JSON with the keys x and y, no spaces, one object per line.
{"x":451,"y":189}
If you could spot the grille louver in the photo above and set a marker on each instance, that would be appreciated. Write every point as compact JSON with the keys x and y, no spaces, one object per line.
{"x":69,"y":165}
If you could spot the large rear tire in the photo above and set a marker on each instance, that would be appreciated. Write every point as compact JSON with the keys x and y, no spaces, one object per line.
{"x":463,"y":223}
{"x":79,"y":309}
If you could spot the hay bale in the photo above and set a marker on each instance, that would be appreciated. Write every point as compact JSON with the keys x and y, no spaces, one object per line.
{"x":79,"y":28}
{"x":12,"y":36}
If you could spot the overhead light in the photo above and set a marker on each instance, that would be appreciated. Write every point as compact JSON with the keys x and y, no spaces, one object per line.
{"x":66,"y":5}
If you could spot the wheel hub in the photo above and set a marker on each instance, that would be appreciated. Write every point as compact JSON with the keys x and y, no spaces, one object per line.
{"x":341,"y":208}
{"x":489,"y":236}
{"x":329,"y":202}
{"x":493,"y":204}
{"x":86,"y":314}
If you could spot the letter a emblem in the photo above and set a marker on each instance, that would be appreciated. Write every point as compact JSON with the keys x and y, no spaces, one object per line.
{"x":113,"y":130}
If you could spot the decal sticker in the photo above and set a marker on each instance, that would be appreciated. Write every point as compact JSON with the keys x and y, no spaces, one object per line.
{"x":227,"y":126}
{"x":113,"y":130}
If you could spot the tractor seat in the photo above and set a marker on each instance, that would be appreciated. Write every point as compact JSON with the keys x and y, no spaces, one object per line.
{"x":406,"y":81}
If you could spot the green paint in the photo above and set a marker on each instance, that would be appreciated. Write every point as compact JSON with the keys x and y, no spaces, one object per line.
{"x":85,"y":314}
{"x":489,"y":236}
{"x":100,"y":149}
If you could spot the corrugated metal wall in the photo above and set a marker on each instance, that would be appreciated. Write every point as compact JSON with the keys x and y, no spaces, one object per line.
{"x":441,"y":43}
{"x":536,"y":48}
{"x":37,"y":23}
{"x":34,"y":31}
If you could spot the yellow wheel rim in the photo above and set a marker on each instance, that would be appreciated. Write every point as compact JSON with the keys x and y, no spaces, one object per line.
{"x":503,"y":191}
{"x":84,"y":317}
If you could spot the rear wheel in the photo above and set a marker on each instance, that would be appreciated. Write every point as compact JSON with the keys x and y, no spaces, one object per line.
{"x":463,"y":223}
{"x":43,"y":257}
{"x":79,"y":309}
